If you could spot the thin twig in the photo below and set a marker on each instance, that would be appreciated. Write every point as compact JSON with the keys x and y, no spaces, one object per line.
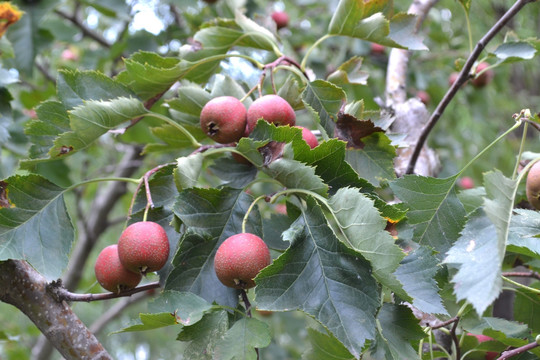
{"x":248,"y":311}
{"x":445,"y":323}
{"x":455,"y":338}
{"x":74,"y":19}
{"x":43,"y":70}
{"x":508,"y":354}
{"x":463,"y":76}
{"x":531,"y":274}
{"x":62,"y":294}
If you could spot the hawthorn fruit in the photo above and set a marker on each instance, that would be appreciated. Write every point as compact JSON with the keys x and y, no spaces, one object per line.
{"x":223,"y":119}
{"x":490,"y":355}
{"x":239,"y":259}
{"x":271,"y":108}
{"x":423,"y":96}
{"x":483,"y":79}
{"x":308,"y":136}
{"x":281,"y":18}
{"x":111,"y":274}
{"x":143,"y":247}
{"x":377,"y":49}
{"x":532,"y":186}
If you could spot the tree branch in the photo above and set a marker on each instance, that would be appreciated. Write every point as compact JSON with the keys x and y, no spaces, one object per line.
{"x":84,"y":29}
{"x":508,"y":354}
{"x":410,"y":115}
{"x":463,"y":76}
{"x":531,"y":274}
{"x":24,"y":288}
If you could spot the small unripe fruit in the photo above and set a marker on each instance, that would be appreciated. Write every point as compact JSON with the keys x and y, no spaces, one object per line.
{"x":143,"y":247}
{"x":271,"y":108}
{"x":111,"y":274}
{"x":452,"y":78}
{"x":224,"y":119}
{"x":532,"y":186}
{"x":280,"y":18}
{"x":466,"y":182}
{"x":377,"y":49}
{"x":308,"y":136}
{"x":239,"y":259}
{"x":484,"y":78}
{"x":423,"y":96}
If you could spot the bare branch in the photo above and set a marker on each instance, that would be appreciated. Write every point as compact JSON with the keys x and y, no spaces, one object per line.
{"x":463,"y":76}
{"x":508,"y":354}
{"x":531,"y":274}
{"x":84,"y":29}
{"x":26,"y":289}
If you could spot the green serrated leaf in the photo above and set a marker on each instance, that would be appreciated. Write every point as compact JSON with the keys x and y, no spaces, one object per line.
{"x":325,"y":346}
{"x":296,"y":175}
{"x":524,"y":233}
{"x":434,"y":209}
{"x":319,"y":275}
{"x":186,"y":307}
{"x":34,"y":224}
{"x":93,"y":119}
{"x":324,"y":99}
{"x":472,"y":199}
{"x":210,"y":216}
{"x":510,"y":329}
{"x":204,"y":335}
{"x":188,"y":170}
{"x":527,"y":307}
{"x":403,"y":32}
{"x":148,"y":74}
{"x":364,"y":231}
{"x":150,"y":322}
{"x":232,"y":173}
{"x":52,"y":121}
{"x":76,"y":87}
{"x":375,"y":162}
{"x":349,"y":73}
{"x":328,"y":159}
{"x":476,"y":254}
{"x":242,"y":339}
{"x":398,"y":327}
{"x":499,"y":205}
{"x":417,"y":274}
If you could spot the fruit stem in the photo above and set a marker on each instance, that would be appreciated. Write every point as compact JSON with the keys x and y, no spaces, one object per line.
{"x":182,"y":129}
{"x":246,"y":216}
{"x":134,"y":181}
{"x":248,"y":311}
{"x":528,"y":288}
{"x":304,"y":60}
{"x":521,"y":147}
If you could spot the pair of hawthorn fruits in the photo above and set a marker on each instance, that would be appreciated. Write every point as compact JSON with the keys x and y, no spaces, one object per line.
{"x":143,"y":247}
{"x":225,"y":119}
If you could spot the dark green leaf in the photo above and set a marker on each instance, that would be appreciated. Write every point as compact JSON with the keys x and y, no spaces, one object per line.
{"x":204,"y":335}
{"x":6,"y":117}
{"x":375,"y":162}
{"x":349,"y":73}
{"x":508,"y":328}
{"x":325,"y":346}
{"x":233,"y":173}
{"x":472,"y":199}
{"x":242,"y":339}
{"x":476,"y":255}
{"x":363,"y":229}
{"x":34,"y":224}
{"x":188,"y":170}
{"x":398,"y":327}
{"x":76,"y":87}
{"x":319,"y":275}
{"x":324,"y":99}
{"x":186,"y":307}
{"x":527,"y":307}
{"x":417,"y":274}
{"x":210,"y":216}
{"x":296,"y":175}
{"x":434,"y":208}
{"x":150,"y":322}
{"x":524,"y":233}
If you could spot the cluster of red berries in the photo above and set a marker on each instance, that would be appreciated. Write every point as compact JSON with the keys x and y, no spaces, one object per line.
{"x":143,"y":247}
{"x":225,"y":119}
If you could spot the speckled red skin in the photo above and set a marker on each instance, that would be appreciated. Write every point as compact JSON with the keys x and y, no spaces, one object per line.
{"x":239,"y":259}
{"x":143,"y":247}
{"x":280,"y":18}
{"x":532,"y":186}
{"x":223,"y":119}
{"x":111,"y":274}
{"x":271,"y":108}
{"x":308,"y":136}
